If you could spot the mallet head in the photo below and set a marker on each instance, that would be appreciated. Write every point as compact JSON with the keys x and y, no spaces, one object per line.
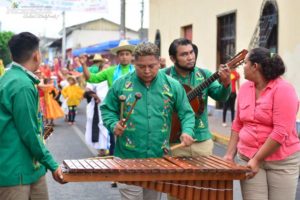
{"x":122,"y":98}
{"x":138,"y":95}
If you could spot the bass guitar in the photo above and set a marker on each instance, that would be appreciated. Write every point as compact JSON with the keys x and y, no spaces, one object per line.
{"x":197,"y":103}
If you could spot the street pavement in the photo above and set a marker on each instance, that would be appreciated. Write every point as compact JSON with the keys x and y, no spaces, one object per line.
{"x":67,"y":142}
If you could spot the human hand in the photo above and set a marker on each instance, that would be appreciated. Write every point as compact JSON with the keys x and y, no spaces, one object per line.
{"x":228,"y":157}
{"x":253,"y":164}
{"x":224,"y":73}
{"x":83,"y":60}
{"x":119,"y":128}
{"x":58,"y":176}
{"x":97,"y":99}
{"x":102,"y":152}
{"x":186,"y":139}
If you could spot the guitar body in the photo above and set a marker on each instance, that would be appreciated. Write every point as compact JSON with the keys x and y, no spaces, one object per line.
{"x":197,"y":105}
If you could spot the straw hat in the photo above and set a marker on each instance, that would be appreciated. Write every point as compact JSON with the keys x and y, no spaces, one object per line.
{"x":123,"y":45}
{"x":71,"y":78}
{"x":98,"y":57}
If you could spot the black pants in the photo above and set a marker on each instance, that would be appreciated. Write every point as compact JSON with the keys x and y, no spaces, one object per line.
{"x":230,"y":103}
{"x":72,"y":113}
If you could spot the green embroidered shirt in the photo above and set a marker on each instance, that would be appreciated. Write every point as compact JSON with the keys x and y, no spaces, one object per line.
{"x":215,"y":90}
{"x":148,"y":127}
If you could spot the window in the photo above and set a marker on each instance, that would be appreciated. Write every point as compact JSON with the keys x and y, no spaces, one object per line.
{"x":188,"y":32}
{"x":225,"y":41}
{"x":226,"y":38}
{"x":157,"y":40}
{"x":268,"y":27}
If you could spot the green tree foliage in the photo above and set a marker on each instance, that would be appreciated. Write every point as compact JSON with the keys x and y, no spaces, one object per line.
{"x":4,"y":50}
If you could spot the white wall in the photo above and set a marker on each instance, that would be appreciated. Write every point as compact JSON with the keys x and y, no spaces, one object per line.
{"x":84,"y":38}
{"x":170,"y":16}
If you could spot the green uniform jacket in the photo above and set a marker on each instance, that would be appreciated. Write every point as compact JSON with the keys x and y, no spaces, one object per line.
{"x":148,"y":127}
{"x":107,"y":75}
{"x":21,"y":144}
{"x":215,"y":90}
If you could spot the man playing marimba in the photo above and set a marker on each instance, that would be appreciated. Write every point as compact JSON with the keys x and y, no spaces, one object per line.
{"x":151,"y":97}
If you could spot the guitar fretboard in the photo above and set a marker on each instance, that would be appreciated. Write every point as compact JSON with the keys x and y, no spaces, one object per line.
{"x":197,"y":90}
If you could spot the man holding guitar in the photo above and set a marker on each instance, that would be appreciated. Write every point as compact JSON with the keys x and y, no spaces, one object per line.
{"x":182,"y":53}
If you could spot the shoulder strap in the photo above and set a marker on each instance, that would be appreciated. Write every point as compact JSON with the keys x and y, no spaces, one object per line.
{"x":168,"y":71}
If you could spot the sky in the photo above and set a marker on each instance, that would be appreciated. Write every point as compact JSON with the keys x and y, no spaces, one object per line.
{"x":51,"y":26}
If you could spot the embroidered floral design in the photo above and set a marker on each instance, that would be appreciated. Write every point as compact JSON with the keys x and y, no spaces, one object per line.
{"x":165,"y":145}
{"x":130,"y":127}
{"x":166,"y":91}
{"x":201,"y":124}
{"x":128,"y":86}
{"x":129,"y":144}
{"x":199,"y":76}
{"x":164,"y":115}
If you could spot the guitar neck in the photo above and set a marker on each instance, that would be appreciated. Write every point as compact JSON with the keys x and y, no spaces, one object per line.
{"x":197,"y":90}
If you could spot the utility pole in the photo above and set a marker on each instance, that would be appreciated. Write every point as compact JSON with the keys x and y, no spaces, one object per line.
{"x":142,"y":21}
{"x":63,"y":43}
{"x":122,"y":25}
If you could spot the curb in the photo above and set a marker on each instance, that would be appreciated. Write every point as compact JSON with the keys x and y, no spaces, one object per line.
{"x":217,"y":137}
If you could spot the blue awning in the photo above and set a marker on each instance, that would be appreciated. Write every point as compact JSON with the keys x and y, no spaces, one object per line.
{"x":103,"y":47}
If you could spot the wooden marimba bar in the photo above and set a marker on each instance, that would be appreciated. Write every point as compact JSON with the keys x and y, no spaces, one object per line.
{"x":205,"y":177}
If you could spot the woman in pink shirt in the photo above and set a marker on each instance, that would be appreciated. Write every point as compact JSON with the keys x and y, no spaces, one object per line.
{"x":264,"y":130}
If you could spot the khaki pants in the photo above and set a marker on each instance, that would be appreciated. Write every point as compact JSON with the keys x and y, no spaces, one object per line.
{"x":131,"y":192}
{"x":196,"y":149}
{"x":35,"y":191}
{"x":276,"y":180}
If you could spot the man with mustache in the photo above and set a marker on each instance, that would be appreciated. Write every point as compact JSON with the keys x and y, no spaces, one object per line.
{"x":183,"y":54}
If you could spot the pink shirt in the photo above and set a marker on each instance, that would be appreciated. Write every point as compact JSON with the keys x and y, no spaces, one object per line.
{"x":272,"y":115}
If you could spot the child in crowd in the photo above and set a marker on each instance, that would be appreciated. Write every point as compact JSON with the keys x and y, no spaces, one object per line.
{"x":73,"y":93}
{"x":51,"y":109}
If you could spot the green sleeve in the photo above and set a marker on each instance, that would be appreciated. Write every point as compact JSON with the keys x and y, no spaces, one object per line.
{"x":184,"y":111}
{"x":216,"y":90}
{"x":99,"y":77}
{"x":93,"y":69}
{"x":110,"y":109}
{"x":25,"y":106}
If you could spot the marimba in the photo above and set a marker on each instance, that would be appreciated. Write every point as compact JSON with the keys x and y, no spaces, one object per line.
{"x":205,"y":177}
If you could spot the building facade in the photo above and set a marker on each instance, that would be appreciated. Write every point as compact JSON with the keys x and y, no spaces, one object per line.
{"x":94,"y":32}
{"x":221,"y":29}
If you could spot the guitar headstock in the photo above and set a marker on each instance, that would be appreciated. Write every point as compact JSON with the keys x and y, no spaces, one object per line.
{"x":237,"y":60}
